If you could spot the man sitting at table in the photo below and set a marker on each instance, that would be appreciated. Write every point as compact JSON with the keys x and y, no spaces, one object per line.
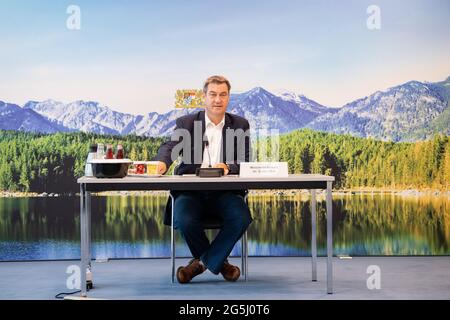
{"x":191,"y":207}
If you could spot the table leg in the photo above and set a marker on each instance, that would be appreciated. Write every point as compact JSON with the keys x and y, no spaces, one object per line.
{"x":246,"y":255}
{"x":314,"y":234}
{"x":88,"y":229}
{"x":172,"y":240}
{"x":242,"y":255}
{"x":83,"y":240}
{"x":329,"y":239}
{"x":245,"y":246}
{"x":88,"y":239}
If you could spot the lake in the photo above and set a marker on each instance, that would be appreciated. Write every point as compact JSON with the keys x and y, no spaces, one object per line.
{"x":130,"y":226}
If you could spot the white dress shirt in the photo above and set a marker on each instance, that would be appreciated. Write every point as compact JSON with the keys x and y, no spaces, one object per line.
{"x":214,"y":134}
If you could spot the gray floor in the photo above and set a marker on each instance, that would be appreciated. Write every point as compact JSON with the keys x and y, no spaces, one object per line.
{"x":269,"y":278}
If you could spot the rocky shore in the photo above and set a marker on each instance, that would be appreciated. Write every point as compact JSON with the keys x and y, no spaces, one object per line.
{"x":17,"y":194}
{"x":407,"y":192}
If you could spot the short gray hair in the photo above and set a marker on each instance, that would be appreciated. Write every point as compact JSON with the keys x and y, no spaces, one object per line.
{"x":217,"y":80}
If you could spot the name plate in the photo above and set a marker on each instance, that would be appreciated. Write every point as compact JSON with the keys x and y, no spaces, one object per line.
{"x":263,"y":169}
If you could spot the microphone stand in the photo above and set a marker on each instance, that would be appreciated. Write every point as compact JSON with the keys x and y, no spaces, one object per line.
{"x":207,"y":150}
{"x":209,"y":172}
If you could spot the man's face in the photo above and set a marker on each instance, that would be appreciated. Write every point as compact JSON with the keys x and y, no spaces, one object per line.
{"x":216,"y":99}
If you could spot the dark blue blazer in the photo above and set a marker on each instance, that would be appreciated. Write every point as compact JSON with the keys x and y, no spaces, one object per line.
{"x":187,"y":122}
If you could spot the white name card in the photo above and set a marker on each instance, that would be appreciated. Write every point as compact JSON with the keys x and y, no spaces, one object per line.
{"x":263,"y":169}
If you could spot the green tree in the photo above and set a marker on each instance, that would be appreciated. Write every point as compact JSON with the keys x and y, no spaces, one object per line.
{"x":24,"y":183}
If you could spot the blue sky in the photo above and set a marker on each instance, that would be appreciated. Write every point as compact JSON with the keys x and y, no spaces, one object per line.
{"x":133,"y":55}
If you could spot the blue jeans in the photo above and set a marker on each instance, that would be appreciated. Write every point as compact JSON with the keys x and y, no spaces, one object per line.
{"x":191,"y":207}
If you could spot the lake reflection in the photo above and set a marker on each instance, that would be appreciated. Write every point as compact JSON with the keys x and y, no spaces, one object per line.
{"x":131,"y":226}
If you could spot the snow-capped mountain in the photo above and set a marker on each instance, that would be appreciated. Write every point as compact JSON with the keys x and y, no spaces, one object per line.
{"x":305,"y":103}
{"x":154,"y":124}
{"x":79,"y":115}
{"x":407,"y":112}
{"x":93,"y":117}
{"x":263,"y":109}
{"x":266,"y":111}
{"x":13,"y":117}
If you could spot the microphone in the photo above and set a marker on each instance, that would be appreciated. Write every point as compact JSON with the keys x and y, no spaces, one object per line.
{"x":207,"y":150}
{"x":209,"y":172}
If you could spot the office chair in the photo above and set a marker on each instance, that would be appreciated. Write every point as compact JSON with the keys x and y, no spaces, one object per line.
{"x":211,"y":223}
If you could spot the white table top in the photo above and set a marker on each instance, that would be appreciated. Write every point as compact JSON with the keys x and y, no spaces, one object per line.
{"x":192,"y":178}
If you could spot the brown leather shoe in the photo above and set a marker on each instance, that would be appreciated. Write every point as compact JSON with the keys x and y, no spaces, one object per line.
{"x":194,"y":268}
{"x":230,"y":272}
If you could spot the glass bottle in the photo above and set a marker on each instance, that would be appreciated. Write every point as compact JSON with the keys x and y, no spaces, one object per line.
{"x":119,"y":152}
{"x":109,"y":151}
{"x":100,"y":151}
{"x":91,"y":155}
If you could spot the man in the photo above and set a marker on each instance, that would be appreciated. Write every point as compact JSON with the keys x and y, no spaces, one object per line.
{"x":191,"y":207}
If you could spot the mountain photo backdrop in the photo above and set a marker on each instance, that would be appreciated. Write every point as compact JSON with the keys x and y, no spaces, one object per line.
{"x":355,"y":89}
{"x":397,"y":138}
{"x":408,"y":112}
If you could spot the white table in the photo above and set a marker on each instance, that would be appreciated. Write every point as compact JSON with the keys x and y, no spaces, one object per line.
{"x":191,"y":182}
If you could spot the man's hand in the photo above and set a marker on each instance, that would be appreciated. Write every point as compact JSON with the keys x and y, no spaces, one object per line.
{"x":223,"y":166}
{"x":162,"y":168}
